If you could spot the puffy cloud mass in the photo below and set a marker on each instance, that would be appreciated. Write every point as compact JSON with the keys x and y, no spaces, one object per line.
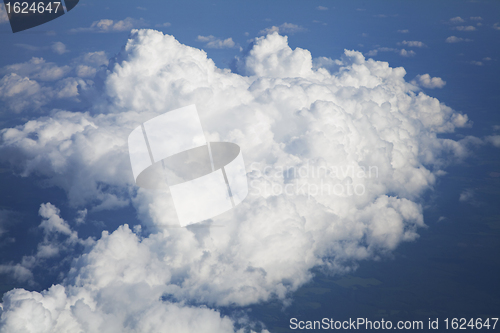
{"x":457,"y":19}
{"x":455,"y":39}
{"x":427,"y":81}
{"x":338,"y":156}
{"x":59,"y":48}
{"x":35,"y":84}
{"x":413,"y":43}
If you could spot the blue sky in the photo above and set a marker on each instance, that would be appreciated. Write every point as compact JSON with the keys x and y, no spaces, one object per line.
{"x":71,"y":90}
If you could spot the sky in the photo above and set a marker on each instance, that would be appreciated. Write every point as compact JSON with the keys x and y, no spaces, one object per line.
{"x":370,"y":135}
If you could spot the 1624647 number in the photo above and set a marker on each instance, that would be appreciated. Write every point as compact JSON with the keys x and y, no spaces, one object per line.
{"x":465,"y":323}
{"x":34,"y":8}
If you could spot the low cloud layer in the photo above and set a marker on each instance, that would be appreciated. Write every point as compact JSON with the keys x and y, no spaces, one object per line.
{"x":338,"y":156}
{"x":216,"y":43}
{"x":285,"y":28}
{"x":107,"y":25}
{"x":401,"y":52}
{"x":455,"y":39}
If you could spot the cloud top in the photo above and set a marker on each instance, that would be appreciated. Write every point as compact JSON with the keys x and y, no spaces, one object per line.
{"x":338,"y":156}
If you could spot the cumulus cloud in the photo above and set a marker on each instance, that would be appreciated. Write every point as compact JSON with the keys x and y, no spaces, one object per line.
{"x":465,"y":28}
{"x":413,"y":43}
{"x":21,"y":93}
{"x":36,"y":83}
{"x":476,"y":18}
{"x":59,"y":48}
{"x":427,"y":81}
{"x":496,"y":26}
{"x":59,"y":241}
{"x":401,"y":52}
{"x":216,"y":43}
{"x":322,"y":8}
{"x":38,"y":69}
{"x":468,"y":195}
{"x":455,"y":39}
{"x":107,"y":25}
{"x":494,"y":140}
{"x":457,"y":19}
{"x":285,"y":28}
{"x":306,"y":127}
{"x":404,"y":31}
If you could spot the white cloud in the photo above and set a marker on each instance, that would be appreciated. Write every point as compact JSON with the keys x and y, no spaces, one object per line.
{"x":477,"y":63}
{"x":496,"y":26}
{"x":87,"y":65}
{"x":494,"y":140}
{"x":401,"y":52}
{"x":59,"y":48}
{"x":284,"y":113}
{"x":457,"y":19}
{"x":59,"y":241}
{"x":427,"y":81}
{"x":34,"y":84}
{"x":97,"y":58}
{"x":107,"y":25}
{"x":413,"y":43}
{"x":476,"y":18}
{"x":406,"y":53}
{"x":404,"y":31}
{"x":465,"y":28}
{"x":285,"y":28}
{"x":21,"y":93}
{"x":38,"y":69}
{"x":466,"y":195}
{"x":455,"y":39}
{"x":321,"y":8}
{"x":81,"y":214}
{"x":216,"y":43}
{"x":85,"y":71}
